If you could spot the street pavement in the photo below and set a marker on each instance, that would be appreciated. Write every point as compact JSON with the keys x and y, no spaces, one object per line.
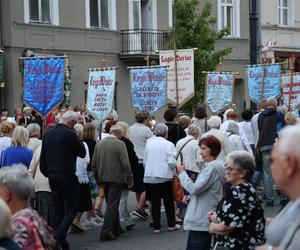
{"x":139,"y":238}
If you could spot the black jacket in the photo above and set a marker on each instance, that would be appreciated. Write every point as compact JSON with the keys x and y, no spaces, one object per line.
{"x":60,"y":148}
{"x":273,"y":122}
{"x":133,"y":159}
{"x":175,"y":132}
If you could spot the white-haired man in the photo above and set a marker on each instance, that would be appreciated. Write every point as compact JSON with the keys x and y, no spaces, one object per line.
{"x":214,"y":123}
{"x":284,"y":230}
{"x":111,"y":165}
{"x":60,"y":148}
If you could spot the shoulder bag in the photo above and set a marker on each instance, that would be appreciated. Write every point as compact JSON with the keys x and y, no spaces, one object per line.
{"x":177,"y":189}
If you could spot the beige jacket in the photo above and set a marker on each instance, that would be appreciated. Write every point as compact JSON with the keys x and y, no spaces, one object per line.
{"x":41,"y":183}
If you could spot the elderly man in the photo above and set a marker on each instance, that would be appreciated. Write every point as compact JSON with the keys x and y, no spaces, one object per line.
{"x":269,"y":123}
{"x":60,"y":148}
{"x":284,"y":230}
{"x":113,"y":171}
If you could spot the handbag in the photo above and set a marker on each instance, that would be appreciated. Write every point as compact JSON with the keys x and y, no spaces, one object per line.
{"x":177,"y":189}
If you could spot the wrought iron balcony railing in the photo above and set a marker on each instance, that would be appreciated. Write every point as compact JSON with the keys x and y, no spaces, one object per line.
{"x":143,"y":41}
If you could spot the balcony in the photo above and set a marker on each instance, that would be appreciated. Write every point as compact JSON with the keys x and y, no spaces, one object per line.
{"x":138,"y":43}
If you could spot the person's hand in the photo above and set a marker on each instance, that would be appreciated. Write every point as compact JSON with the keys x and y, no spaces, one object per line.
{"x":180,"y":168}
{"x":186,"y":199}
{"x":212,"y":216}
{"x":211,"y":228}
{"x":268,"y":221}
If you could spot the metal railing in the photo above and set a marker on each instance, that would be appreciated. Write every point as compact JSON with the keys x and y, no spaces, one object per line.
{"x":143,"y":41}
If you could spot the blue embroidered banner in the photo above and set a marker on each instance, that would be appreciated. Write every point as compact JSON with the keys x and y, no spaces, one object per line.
{"x":43,"y":83}
{"x":101,"y":90}
{"x":219,"y":87}
{"x":271,"y":86}
{"x":148,"y":88}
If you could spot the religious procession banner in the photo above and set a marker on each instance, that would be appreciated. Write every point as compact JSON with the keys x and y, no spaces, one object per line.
{"x":43,"y":83}
{"x":219,"y":90}
{"x":263,"y":82}
{"x":101,"y":90}
{"x":291,"y":93}
{"x":185,"y":74}
{"x":148,"y":88}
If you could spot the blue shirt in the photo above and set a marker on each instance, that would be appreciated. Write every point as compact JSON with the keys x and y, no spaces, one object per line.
{"x":16,"y":155}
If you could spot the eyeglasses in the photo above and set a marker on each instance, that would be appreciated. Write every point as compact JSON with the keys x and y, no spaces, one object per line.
{"x":229,"y":169}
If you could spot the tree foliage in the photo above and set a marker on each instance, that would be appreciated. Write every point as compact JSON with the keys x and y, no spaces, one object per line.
{"x":195,"y":28}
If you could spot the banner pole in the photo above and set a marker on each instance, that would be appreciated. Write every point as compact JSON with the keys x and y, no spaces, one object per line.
{"x":176,"y":79}
{"x":263,"y":78}
{"x":220,"y":65}
{"x":293,"y":60}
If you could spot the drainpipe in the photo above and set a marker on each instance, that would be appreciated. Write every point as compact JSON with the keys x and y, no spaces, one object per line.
{"x":253,"y":31}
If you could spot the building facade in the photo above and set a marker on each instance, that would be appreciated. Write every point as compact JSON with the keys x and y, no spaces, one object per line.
{"x":122,"y":32}
{"x":280,"y":32}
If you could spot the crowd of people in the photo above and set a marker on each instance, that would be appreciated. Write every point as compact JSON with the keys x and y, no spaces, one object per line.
{"x":56,"y":175}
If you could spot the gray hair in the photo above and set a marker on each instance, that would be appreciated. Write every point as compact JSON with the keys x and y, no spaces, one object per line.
{"x":69,"y":116}
{"x":271,"y":103}
{"x":124,"y":126}
{"x":6,"y":230}
{"x":160,"y":129}
{"x":289,"y":141}
{"x":283,"y":109}
{"x":34,"y":129}
{"x":214,"y":122}
{"x":20,"y":136}
{"x":116,"y":129}
{"x":193,"y":130}
{"x":78,"y":129}
{"x":244,"y":162}
{"x":233,"y":127}
{"x":17,"y":179}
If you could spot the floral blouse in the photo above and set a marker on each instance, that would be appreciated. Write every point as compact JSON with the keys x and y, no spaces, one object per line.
{"x":241,"y":209}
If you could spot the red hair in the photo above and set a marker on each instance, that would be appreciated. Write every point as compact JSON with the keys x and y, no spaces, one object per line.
{"x":212,"y":143}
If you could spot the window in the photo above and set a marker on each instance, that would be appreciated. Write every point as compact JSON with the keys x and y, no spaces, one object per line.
{"x":171,"y":13}
{"x":102,"y":13}
{"x":229,"y":16}
{"x":283,"y":11}
{"x":41,"y":11}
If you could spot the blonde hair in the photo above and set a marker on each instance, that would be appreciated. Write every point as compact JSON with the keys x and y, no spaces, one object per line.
{"x":124,"y":126}
{"x":290,"y":118}
{"x":6,"y":128}
{"x":6,"y":230}
{"x":20,"y":137}
{"x":184,"y":121}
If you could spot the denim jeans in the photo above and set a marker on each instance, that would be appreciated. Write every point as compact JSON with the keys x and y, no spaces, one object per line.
{"x":257,"y":178}
{"x":65,"y":195}
{"x":198,"y":240}
{"x":268,"y":181}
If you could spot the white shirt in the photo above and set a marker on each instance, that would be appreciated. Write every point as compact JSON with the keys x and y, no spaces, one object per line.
{"x":159,"y":158}
{"x":223,"y":138}
{"x":235,"y":142}
{"x":81,"y":166}
{"x":254,"y":125}
{"x":139,"y":133}
{"x":5,"y":142}
{"x":192,"y":159}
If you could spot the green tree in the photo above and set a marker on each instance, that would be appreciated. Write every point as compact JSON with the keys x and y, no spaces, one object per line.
{"x":195,"y":28}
